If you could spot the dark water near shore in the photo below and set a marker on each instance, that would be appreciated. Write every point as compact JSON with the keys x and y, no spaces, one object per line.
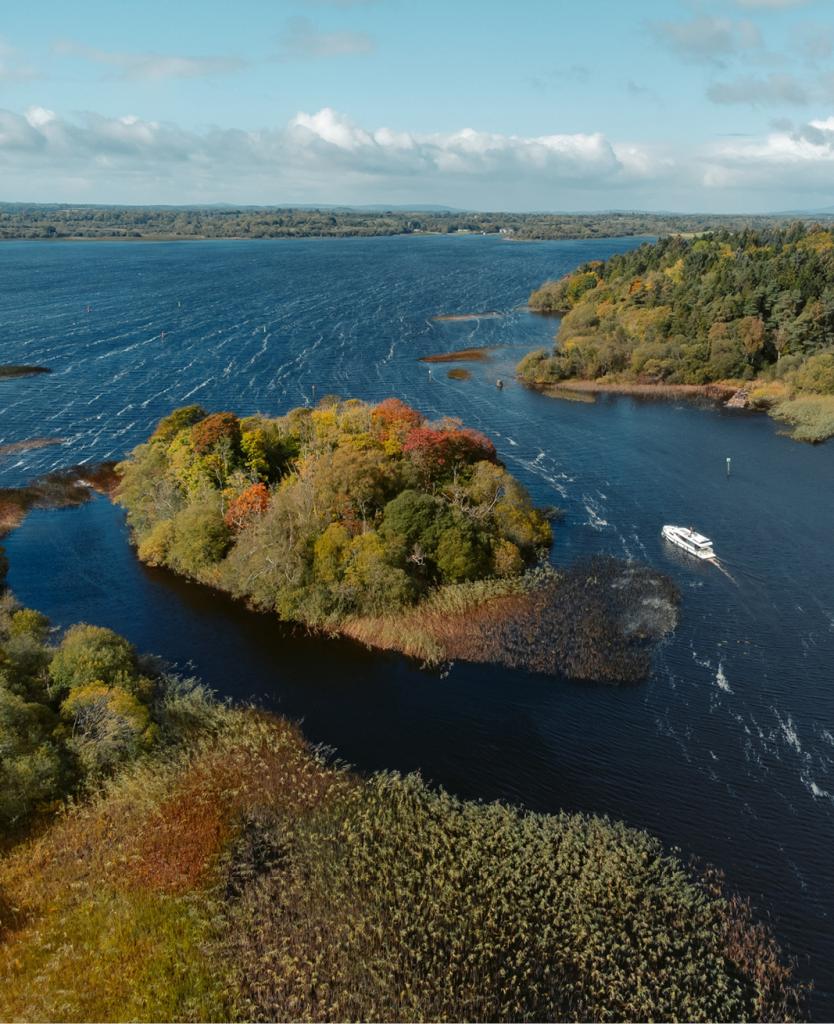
{"x":726,"y":752}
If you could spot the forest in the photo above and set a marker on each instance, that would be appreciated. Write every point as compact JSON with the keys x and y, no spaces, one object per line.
{"x":19,"y":220}
{"x":752,"y":308}
{"x":166,"y":856}
{"x":325,"y":513}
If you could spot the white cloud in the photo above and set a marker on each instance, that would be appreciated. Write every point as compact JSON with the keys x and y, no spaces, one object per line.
{"x":301,"y":39}
{"x":791,"y":160}
{"x":321,"y":156}
{"x":324,"y":156}
{"x":151,"y":66}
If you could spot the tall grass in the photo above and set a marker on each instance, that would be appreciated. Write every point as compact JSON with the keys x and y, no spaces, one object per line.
{"x":811,"y":416}
{"x":407,"y":904}
{"x":238,"y":875}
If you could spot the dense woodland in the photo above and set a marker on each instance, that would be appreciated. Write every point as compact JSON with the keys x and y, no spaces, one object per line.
{"x":753,"y":307}
{"x":321,"y":514}
{"x":167,"y":857}
{"x":18,"y":220}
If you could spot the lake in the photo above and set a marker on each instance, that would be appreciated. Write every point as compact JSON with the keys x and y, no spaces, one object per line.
{"x":726,"y":752}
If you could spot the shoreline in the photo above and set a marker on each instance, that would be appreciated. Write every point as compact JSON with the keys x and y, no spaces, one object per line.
{"x":716,"y":392}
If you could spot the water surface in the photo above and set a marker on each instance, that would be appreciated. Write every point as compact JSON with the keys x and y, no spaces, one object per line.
{"x":726,"y":752}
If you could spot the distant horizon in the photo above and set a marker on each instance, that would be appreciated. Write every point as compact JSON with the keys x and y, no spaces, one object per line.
{"x":421,"y":207}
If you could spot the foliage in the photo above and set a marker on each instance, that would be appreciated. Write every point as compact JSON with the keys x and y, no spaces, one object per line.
{"x":240,"y":876}
{"x":726,"y":306}
{"x":325,"y":513}
{"x":68,"y":715}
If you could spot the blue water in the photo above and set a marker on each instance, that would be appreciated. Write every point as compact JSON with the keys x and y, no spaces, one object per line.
{"x":727,"y":752}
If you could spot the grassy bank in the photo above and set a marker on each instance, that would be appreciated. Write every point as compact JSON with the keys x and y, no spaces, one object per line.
{"x":229,"y":871}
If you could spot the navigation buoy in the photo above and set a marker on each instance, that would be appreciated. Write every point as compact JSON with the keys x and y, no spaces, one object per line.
{"x":728,"y":465}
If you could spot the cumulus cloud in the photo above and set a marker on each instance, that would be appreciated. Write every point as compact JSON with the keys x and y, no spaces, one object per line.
{"x":301,"y":39}
{"x":789,"y":159}
{"x":708,"y":40}
{"x":151,"y":66}
{"x":324,"y":156}
{"x":320,"y":156}
{"x":759,"y":92}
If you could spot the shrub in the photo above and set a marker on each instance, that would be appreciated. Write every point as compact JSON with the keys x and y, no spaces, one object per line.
{"x":93,"y":654}
{"x":155,"y":546}
{"x":32,"y":770}
{"x":460,"y":554}
{"x":817,"y":374}
{"x":109,"y":726}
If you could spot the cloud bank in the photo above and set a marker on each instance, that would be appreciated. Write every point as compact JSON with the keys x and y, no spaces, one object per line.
{"x":326,"y":157}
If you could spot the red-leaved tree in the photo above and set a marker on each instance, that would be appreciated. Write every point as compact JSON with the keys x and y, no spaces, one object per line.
{"x":395,"y":417}
{"x":438,"y":453}
{"x":253,"y":502}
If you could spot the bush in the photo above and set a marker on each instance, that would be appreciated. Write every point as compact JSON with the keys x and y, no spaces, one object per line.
{"x":460,"y":554}
{"x":816,"y":374}
{"x":93,"y":654}
{"x":109,"y":726}
{"x":32,"y":769}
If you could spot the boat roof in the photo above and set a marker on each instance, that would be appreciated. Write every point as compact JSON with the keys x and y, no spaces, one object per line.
{"x":692,"y":536}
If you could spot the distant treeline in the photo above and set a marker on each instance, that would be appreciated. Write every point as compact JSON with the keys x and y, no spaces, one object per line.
{"x":19,"y":220}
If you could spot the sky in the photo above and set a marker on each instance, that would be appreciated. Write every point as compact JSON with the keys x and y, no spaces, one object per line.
{"x":679,"y":105}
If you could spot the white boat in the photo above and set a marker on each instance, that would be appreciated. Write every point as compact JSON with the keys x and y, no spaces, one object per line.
{"x":693,"y":543}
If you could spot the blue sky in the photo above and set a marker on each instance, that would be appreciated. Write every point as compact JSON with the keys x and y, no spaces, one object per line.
{"x":724,"y":105}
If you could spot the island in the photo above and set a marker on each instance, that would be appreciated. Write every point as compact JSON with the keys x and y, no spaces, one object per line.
{"x":368,"y":521}
{"x":167,"y":856}
{"x":747,"y":317}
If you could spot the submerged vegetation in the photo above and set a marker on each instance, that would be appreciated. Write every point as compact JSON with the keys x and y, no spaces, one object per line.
{"x":63,"y":488}
{"x":20,"y":370}
{"x":754,"y":308}
{"x":213,"y":866}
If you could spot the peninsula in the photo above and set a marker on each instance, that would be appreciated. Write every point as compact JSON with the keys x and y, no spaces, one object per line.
{"x":747,"y":314}
{"x":204,"y":862}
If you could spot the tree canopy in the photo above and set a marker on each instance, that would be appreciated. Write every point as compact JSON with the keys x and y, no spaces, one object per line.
{"x":745,"y":306}
{"x":345,"y":509}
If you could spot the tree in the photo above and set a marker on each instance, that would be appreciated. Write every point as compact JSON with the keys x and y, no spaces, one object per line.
{"x":94,"y":654}
{"x":253,"y":502}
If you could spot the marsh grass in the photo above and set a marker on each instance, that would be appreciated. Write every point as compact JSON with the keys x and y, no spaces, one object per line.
{"x":242,"y":876}
{"x":402,"y":903}
{"x":811,"y":417}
